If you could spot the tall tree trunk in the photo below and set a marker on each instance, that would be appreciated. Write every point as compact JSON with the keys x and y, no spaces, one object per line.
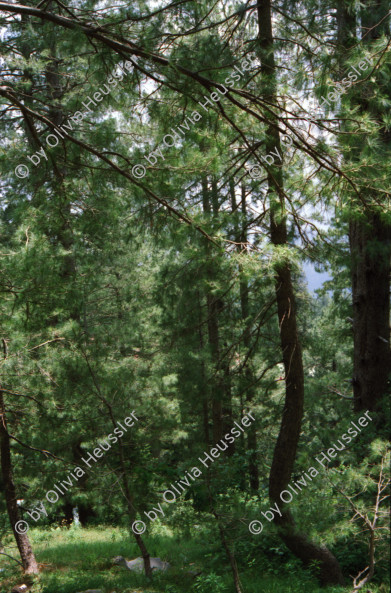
{"x":370,"y":248}
{"x":205,"y":401}
{"x":29,"y":562}
{"x":240,"y":237}
{"x":288,"y":438}
{"x":371,"y":309}
{"x":214,"y":307}
{"x":223,"y":363}
{"x":248,"y":370}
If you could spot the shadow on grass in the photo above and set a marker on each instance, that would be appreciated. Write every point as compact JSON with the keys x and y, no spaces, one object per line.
{"x":76,"y":560}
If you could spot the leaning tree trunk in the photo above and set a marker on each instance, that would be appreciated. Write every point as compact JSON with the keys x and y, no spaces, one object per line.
{"x":131,"y":509}
{"x":29,"y":562}
{"x":288,"y":438}
{"x":124,"y":477}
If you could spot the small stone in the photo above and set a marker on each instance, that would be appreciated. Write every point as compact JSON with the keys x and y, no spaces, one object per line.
{"x":20,"y":589}
{"x":138,"y":564}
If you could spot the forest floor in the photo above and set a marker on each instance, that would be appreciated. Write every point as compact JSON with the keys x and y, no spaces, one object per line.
{"x":73,"y":560}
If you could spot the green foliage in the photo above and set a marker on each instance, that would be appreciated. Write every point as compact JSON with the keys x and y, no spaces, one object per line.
{"x":112,"y":303}
{"x":209,"y":582}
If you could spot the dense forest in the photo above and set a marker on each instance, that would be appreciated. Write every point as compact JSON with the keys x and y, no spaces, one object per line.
{"x":195,"y":232}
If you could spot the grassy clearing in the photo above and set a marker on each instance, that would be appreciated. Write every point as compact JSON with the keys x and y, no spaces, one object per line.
{"x":78,"y":559}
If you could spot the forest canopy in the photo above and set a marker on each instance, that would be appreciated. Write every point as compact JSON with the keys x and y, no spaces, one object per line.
{"x":195,"y":231}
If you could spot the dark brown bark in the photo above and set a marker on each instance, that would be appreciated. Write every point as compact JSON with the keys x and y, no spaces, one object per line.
{"x":225,"y":374}
{"x":205,"y":402}
{"x":370,"y":243}
{"x":252,"y":443}
{"x":205,"y":417}
{"x":288,"y":438}
{"x":214,"y":307}
{"x":240,"y":236}
{"x":370,"y":252}
{"x":217,"y":390}
{"x":29,"y":562}
{"x":346,"y":31}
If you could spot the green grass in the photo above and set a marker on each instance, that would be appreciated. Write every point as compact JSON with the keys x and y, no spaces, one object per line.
{"x":78,"y":559}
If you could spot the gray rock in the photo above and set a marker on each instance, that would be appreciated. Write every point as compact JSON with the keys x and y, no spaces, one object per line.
{"x":20,"y":589}
{"x":137,"y":565}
